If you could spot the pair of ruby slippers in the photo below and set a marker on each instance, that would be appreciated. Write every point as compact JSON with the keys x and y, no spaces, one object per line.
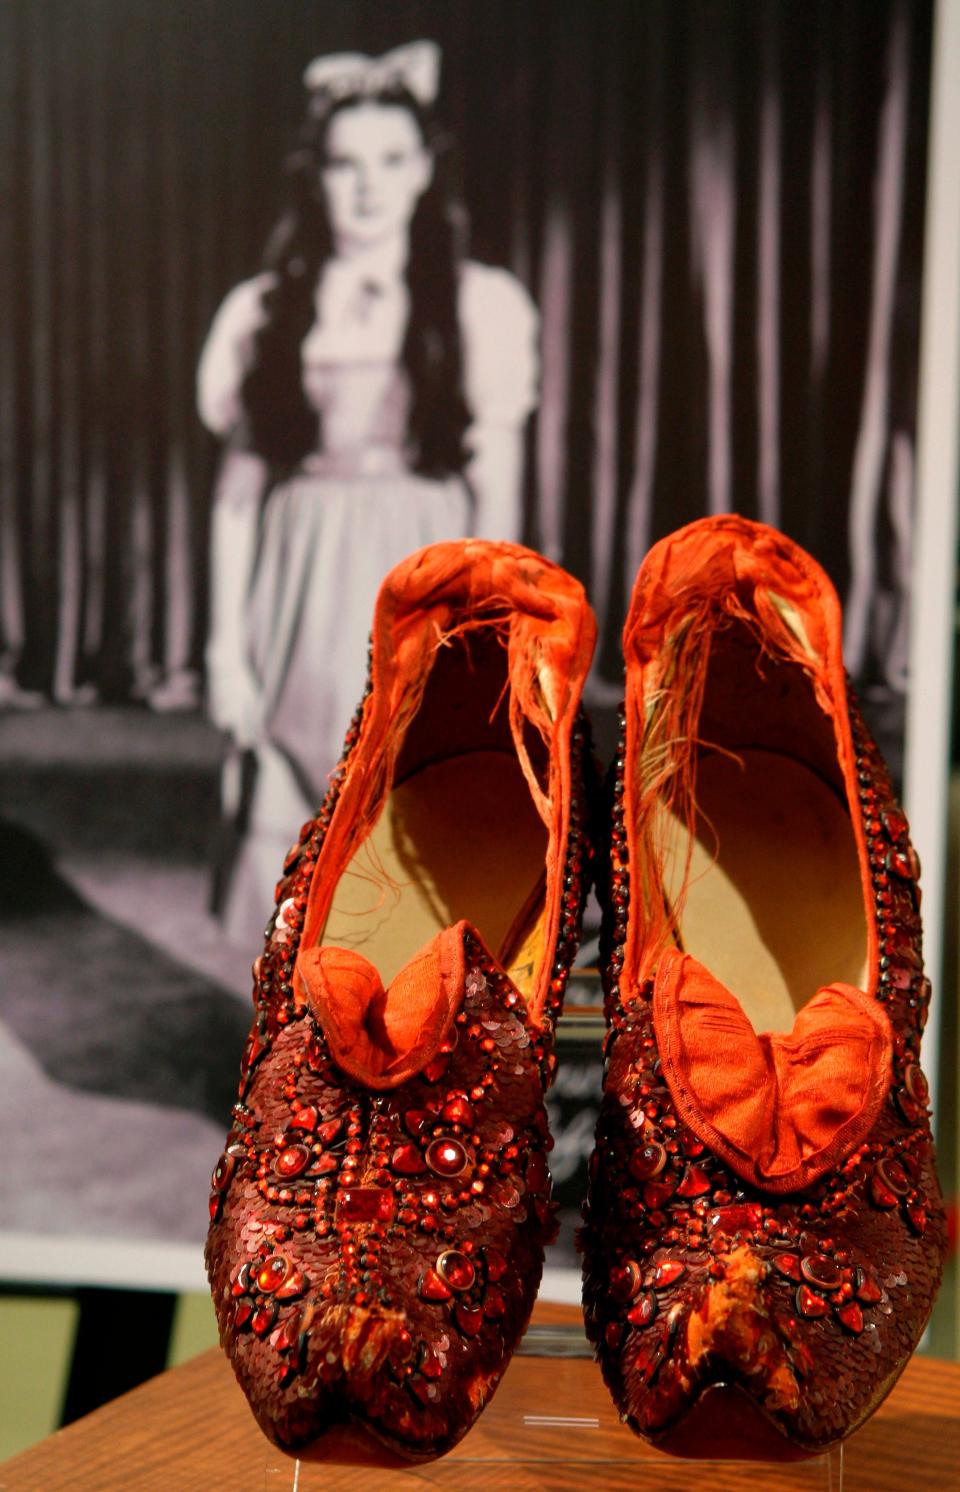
{"x":764,"y":1231}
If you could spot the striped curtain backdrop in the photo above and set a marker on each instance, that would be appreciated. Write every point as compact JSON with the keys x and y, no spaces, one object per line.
{"x":717,"y":205}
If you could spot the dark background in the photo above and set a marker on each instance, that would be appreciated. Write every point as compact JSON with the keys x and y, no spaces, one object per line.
{"x":601,"y":148}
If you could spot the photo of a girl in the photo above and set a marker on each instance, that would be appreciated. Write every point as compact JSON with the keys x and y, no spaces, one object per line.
{"x":371,"y":386}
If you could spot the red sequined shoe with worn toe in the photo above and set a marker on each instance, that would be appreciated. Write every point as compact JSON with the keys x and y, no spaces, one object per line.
{"x":764,"y":1232}
{"x":380,"y":1211}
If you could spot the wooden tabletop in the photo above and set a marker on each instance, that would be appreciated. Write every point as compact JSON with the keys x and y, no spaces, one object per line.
{"x":550,"y":1426}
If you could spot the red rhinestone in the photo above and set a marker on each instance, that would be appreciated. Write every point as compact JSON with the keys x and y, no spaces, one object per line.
{"x":657,"y":1193}
{"x":646,"y":1162}
{"x":458,"y":1111}
{"x":495,"y":1262}
{"x":918,"y":1217}
{"x":894,"y":1177}
{"x":788,"y":1265}
{"x":740,"y":1218}
{"x":242,"y":1312}
{"x":431,"y":1367}
{"x":434,"y":1070}
{"x":880,"y":1193}
{"x":867,"y":1289}
{"x":456,"y":1270}
{"x":263,"y":1317}
{"x":417,"y":1121}
{"x":625,"y":1280}
{"x":365,"y":1204}
{"x":240,"y":1282}
{"x":407,"y":1161}
{"x":324,"y":1164}
{"x":851,"y":1316}
{"x":271,"y":1275}
{"x":293,"y":1286}
{"x":895,"y":822}
{"x":912,"y":1112}
{"x":329,"y":1130}
{"x":468,"y":1318}
{"x":432,"y":1287}
{"x":900,"y":863}
{"x":537,"y":1176}
{"x":695,"y":1182}
{"x":292,"y":1161}
{"x":644,"y":1311}
{"x":305,"y":1118}
{"x":809,"y":1303}
{"x":613,"y":1334}
{"x":223,"y":1171}
{"x":916,"y":1084}
{"x":447,"y":1157}
{"x":494,"y":1305}
{"x":286,"y":1334}
{"x":667,"y":1272}
{"x":822,"y":1271}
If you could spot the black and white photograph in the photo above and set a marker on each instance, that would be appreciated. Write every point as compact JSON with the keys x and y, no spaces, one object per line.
{"x":289,"y":292}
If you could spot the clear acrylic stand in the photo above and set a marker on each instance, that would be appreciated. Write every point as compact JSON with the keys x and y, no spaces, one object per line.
{"x":551,"y":1424}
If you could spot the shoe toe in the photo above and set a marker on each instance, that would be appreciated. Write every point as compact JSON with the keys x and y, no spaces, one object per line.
{"x":376,"y":1255}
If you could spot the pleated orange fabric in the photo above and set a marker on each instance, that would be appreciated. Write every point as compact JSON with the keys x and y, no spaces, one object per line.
{"x":378,"y":1035}
{"x":780,"y":1110}
{"x":549,"y":631}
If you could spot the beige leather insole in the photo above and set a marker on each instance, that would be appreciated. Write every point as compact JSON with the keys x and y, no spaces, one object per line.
{"x":774,"y":907}
{"x":459,"y":838}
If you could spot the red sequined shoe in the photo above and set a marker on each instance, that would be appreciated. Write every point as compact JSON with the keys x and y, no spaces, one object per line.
{"x":764,"y":1234}
{"x":380,"y":1210}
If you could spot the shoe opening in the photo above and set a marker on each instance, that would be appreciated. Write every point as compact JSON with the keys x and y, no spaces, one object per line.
{"x":459,"y":837}
{"x":760,"y":859}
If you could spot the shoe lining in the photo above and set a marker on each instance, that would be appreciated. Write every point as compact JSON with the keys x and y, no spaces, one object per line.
{"x":459,"y":836}
{"x":773,"y":906}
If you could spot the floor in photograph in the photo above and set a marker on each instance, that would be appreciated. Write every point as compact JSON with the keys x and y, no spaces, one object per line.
{"x":122,"y":1008}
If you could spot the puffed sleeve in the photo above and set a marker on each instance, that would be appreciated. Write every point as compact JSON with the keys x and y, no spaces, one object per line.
{"x":500,"y":330}
{"x":227,"y":353}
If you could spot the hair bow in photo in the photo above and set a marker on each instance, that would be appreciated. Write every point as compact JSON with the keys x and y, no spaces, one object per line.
{"x":415,"y":67}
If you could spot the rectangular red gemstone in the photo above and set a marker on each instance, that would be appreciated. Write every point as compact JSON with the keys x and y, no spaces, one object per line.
{"x":365,"y":1204}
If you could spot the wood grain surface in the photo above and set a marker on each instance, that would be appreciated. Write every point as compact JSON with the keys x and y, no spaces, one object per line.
{"x":550,"y":1426}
